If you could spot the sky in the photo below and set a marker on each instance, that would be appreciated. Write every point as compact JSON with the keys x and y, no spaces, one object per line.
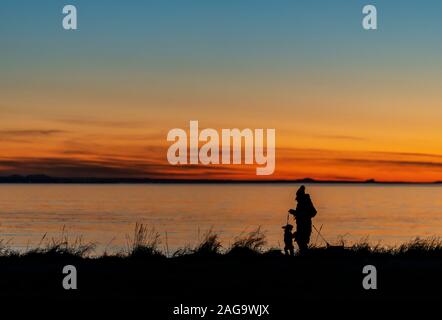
{"x":346,"y":103}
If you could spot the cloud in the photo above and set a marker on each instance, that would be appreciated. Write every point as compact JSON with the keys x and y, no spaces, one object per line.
{"x":330,"y":136}
{"x":412,"y":154}
{"x":331,"y":154}
{"x":28,"y":135}
{"x":341,"y":137}
{"x":30,"y":132}
{"x":103,"y":123}
{"x":396,"y":163}
{"x":68,"y":167}
{"x":291,"y":163}
{"x":112,"y":167}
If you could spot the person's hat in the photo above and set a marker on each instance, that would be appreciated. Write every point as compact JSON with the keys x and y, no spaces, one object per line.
{"x":301,"y":190}
{"x":288,"y":226}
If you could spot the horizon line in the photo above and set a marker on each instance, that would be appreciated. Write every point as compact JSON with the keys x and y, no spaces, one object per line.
{"x":41,"y":178}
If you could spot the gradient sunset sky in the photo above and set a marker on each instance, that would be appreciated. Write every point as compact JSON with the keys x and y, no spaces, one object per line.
{"x":98,"y":102}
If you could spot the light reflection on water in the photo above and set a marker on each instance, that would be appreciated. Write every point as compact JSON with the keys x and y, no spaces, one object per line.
{"x":105,"y":214}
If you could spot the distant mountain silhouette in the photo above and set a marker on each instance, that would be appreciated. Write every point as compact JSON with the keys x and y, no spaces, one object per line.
{"x":41,"y":178}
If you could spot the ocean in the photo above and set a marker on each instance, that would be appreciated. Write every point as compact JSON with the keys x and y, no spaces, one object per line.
{"x":106,"y":214}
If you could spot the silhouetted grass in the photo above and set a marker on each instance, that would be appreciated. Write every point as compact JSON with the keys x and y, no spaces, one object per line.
{"x":210,"y":272}
{"x":61,"y":247}
{"x":210,"y":245}
{"x":251,"y":243}
{"x":5,"y":250}
{"x":420,"y":247}
{"x":145,"y":243}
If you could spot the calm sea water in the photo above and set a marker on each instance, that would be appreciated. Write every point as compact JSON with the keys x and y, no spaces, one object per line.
{"x":106,"y":214}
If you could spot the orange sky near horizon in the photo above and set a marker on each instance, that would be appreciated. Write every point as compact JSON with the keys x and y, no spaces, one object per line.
{"x":319,"y":134}
{"x":107,"y":148}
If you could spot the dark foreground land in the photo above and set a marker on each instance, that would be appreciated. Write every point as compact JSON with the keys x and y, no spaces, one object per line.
{"x":322,"y":280}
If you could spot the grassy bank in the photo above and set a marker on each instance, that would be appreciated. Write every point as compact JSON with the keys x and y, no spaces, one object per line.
{"x":146,"y":243}
{"x":243,"y":272}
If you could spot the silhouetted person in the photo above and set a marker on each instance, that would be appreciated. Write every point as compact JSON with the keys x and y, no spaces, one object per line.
{"x":288,"y":240}
{"x":303,"y":214}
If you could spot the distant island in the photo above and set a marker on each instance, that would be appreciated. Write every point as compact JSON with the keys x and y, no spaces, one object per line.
{"x":41,"y":178}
